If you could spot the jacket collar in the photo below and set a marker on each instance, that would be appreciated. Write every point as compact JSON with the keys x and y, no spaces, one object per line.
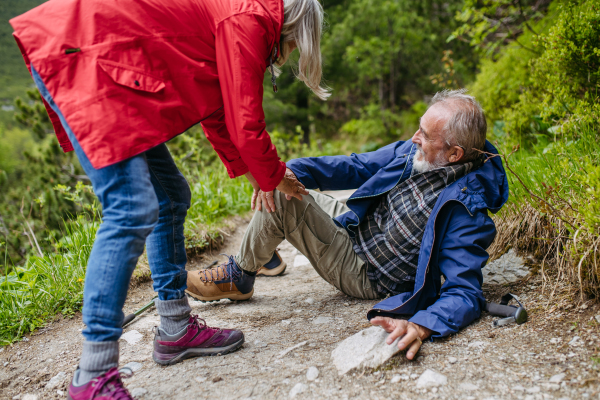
{"x":275,"y":10}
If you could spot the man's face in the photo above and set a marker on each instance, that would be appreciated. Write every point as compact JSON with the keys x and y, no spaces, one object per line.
{"x":431,"y":147}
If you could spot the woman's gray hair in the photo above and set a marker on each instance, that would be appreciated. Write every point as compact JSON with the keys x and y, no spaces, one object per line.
{"x":467,"y":126}
{"x":303,"y":23}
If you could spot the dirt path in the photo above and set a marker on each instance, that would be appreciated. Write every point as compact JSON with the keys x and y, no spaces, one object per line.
{"x":300,"y":309}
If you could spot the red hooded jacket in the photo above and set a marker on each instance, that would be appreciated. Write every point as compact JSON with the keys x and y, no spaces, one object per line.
{"x":129,"y":75}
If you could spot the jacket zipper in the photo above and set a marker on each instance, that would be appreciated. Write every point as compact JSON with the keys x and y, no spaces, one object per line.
{"x":429,"y":260}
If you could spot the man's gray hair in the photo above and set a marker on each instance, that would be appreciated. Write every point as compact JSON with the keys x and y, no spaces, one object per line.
{"x":467,"y":126}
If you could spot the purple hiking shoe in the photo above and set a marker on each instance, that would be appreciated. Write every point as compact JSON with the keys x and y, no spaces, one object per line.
{"x":107,"y":386}
{"x":196,"y":340}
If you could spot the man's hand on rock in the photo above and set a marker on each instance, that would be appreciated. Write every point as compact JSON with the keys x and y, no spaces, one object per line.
{"x":411,"y":333}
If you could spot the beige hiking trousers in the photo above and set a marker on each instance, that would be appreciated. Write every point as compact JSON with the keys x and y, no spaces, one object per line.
{"x":309,"y":227}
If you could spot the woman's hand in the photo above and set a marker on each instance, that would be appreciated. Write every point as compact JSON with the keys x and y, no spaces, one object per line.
{"x":289,"y":185}
{"x":412,"y":334}
{"x":255,"y":201}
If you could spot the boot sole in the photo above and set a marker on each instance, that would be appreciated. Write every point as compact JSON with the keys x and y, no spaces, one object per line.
{"x":199,"y":352}
{"x":232,"y":297}
{"x":278,"y":271}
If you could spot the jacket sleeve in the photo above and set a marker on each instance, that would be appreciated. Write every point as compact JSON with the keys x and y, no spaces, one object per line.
{"x":217,"y":134}
{"x":341,"y":172}
{"x":242,"y":46}
{"x":462,"y":254}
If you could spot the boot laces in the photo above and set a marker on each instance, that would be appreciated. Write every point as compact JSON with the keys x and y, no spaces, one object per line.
{"x":111,"y":383}
{"x":227,"y":270}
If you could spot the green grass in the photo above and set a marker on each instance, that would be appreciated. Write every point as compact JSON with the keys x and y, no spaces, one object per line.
{"x":554,"y":208}
{"x":51,"y":284}
{"x":46,"y":285}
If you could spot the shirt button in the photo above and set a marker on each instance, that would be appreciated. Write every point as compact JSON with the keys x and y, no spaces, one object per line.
{"x":136,"y":83}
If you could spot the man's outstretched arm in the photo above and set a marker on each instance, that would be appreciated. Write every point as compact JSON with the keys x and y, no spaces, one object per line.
{"x":462,"y":254}
{"x":341,"y":172}
{"x":461,"y":257}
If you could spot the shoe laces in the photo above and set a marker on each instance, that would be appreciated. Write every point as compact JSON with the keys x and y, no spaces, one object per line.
{"x":195,"y":320}
{"x":227,"y":270}
{"x":111,"y":384}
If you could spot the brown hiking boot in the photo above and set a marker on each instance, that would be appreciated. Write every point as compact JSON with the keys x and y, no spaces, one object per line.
{"x":227,"y":281}
{"x":275,"y":267}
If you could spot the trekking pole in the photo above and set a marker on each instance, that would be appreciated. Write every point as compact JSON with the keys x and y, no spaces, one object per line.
{"x":131,"y":317}
{"x":510,"y":313}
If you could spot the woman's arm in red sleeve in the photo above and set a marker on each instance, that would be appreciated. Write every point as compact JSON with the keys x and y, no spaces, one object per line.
{"x":216,"y":132}
{"x":242,"y":46}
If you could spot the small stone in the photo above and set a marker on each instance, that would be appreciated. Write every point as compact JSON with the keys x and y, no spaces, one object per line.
{"x":200,"y":379}
{"x":571,"y":355}
{"x":310,"y":300}
{"x":29,"y":396}
{"x":365,"y":349}
{"x":597,"y":318}
{"x":452,"y":360}
{"x":133,"y":366}
{"x":555,"y":340}
{"x":297,"y":389}
{"x":6,"y":363}
{"x":468,"y":386}
{"x":17,"y":397}
{"x":396,"y":379}
{"x":138,"y":392}
{"x":286,"y":321}
{"x":478,"y":343}
{"x":431,"y":378}
{"x":322,"y":320}
{"x":258,"y":343}
{"x":532,"y":390}
{"x":49,"y":360}
{"x":217,"y":379}
{"x":132,"y":337}
{"x":312,"y":373}
{"x":60,"y":393}
{"x":414,"y":376}
{"x":300,"y":260}
{"x":286,"y":381}
{"x":558,"y":378}
{"x":573,"y":341}
{"x":56,"y":380}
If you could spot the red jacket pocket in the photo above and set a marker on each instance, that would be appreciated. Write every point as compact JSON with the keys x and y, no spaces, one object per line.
{"x":132,"y":77}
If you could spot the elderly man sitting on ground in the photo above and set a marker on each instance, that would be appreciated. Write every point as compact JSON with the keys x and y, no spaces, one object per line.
{"x":420,"y":212}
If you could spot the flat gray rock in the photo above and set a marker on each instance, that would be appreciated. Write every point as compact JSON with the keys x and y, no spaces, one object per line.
{"x":56,"y":380}
{"x":297,"y":389}
{"x":365,"y":349}
{"x":133,"y":366}
{"x":506,"y":269}
{"x":312,"y":373}
{"x":431,"y":378}
{"x":138,"y":392}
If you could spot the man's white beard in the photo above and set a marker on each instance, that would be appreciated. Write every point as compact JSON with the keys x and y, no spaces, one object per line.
{"x":421,"y":165}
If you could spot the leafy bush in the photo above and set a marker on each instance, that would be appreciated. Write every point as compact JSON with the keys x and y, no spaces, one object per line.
{"x":548,"y":103}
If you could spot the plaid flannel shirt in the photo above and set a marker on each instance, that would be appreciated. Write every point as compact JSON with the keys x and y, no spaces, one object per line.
{"x":389,"y":239}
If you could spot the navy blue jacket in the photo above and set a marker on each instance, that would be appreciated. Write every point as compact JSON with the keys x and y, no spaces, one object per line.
{"x":455,"y":240}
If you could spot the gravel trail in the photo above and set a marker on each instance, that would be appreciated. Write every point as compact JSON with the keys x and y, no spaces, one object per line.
{"x":294,"y":322}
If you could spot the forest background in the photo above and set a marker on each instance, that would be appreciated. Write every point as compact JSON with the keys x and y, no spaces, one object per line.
{"x":533,"y":64}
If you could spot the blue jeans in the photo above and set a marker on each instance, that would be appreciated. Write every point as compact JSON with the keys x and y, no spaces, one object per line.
{"x":144,"y":201}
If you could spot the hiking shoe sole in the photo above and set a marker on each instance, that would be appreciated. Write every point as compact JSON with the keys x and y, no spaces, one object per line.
{"x":198,"y":352}
{"x":277,"y":271}
{"x":230,"y":296}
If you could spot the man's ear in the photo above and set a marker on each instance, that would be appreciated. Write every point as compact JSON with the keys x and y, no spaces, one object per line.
{"x":455,"y":154}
